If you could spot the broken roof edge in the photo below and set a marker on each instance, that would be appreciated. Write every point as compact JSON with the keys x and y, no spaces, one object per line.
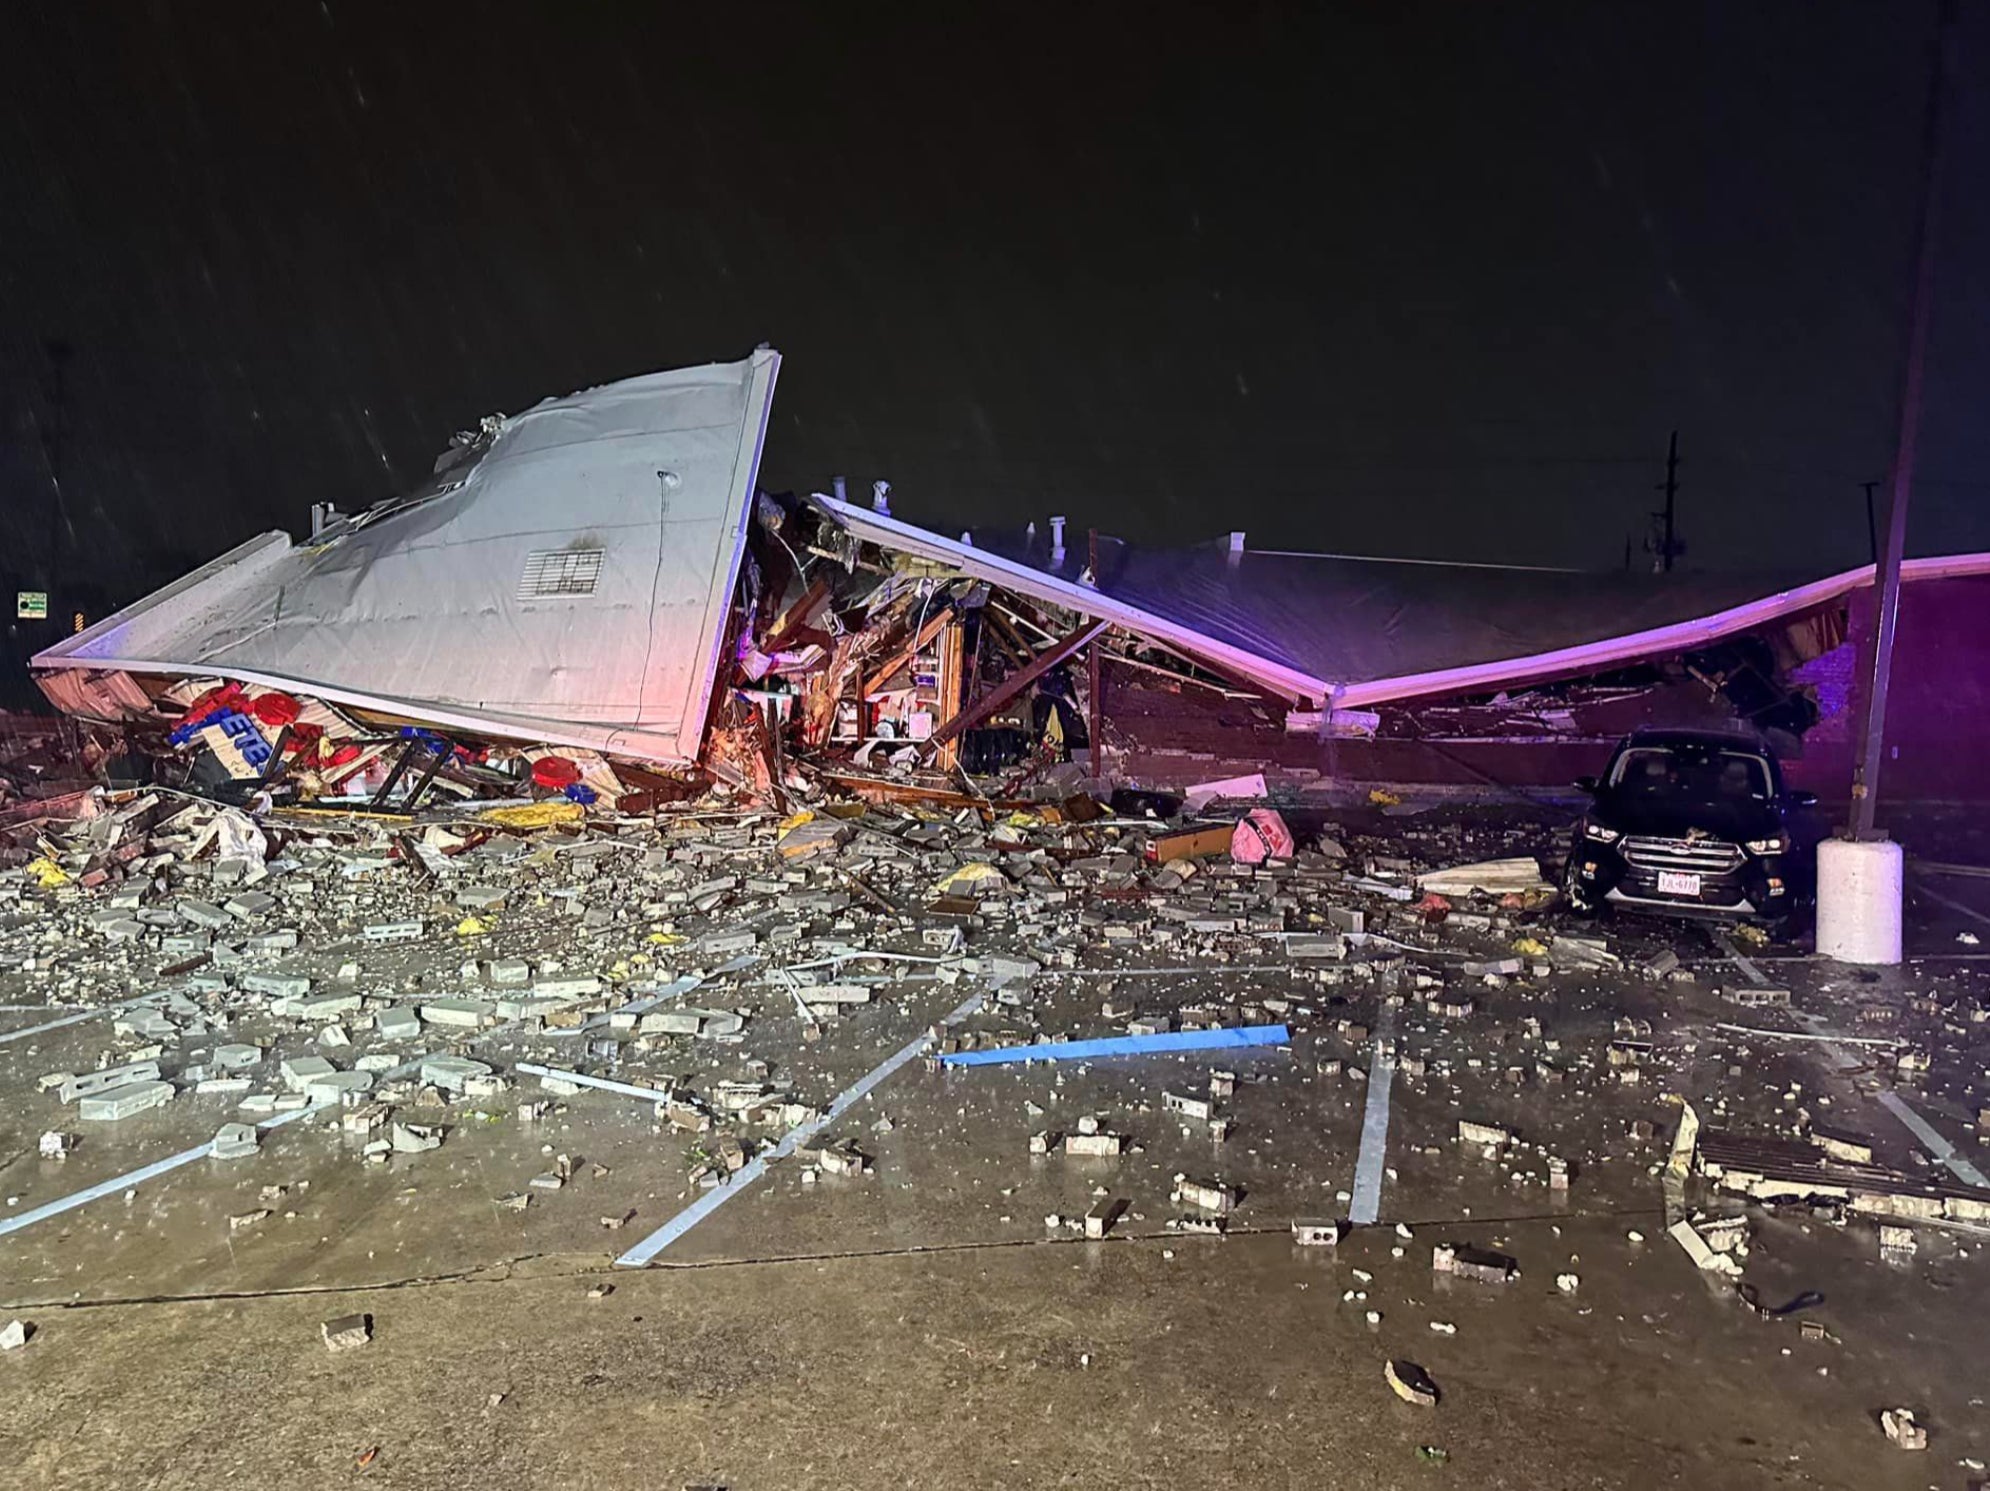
{"x":1593,"y":656}
{"x":765,"y":365}
{"x":238,"y":564}
{"x":612,"y":740}
{"x":891,"y":533}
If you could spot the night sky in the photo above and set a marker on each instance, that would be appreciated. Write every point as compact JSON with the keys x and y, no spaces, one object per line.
{"x":1414,"y":280}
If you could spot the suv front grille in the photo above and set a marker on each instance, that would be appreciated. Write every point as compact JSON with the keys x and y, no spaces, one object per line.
{"x":1694,"y":856}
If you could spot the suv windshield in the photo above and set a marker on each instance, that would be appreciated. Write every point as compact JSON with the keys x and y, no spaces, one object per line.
{"x":1697,"y":772}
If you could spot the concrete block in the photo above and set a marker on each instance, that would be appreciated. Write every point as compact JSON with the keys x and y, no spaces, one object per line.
{"x":202,"y":914}
{"x":838,"y":994}
{"x":1099,"y":1220}
{"x":234,"y":1141}
{"x":1314,"y":948}
{"x":339,"y":1089}
{"x":297,"y":1071}
{"x":1477,"y":1264}
{"x":1317,"y":1234}
{"x":1485,"y":1135}
{"x":558,"y":988}
{"x":1188,"y":1107}
{"x":277,"y":985}
{"x":1205,"y":1196}
{"x":145,"y":1025}
{"x":123,"y":1101}
{"x":529,"y":1006}
{"x":90,"y":1083}
{"x":451,"y":1072}
{"x":397,"y":1024}
{"x":328,"y":1006}
{"x":1094,"y":1146}
{"x":250,"y":905}
{"x":367,"y":1118}
{"x":348,"y":1332}
{"x":467,"y":1014}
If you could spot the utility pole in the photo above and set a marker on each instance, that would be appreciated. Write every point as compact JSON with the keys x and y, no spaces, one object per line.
{"x":1876,"y":660}
{"x":1671,"y":495}
{"x":1872,"y":523}
{"x":1664,"y":547}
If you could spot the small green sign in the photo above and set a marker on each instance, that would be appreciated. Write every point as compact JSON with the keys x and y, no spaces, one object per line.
{"x":31,"y":605}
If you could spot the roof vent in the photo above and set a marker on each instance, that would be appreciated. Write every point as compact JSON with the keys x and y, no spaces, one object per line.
{"x":554,"y":573}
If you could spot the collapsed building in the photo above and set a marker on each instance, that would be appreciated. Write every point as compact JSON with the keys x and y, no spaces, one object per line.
{"x":595,"y":597}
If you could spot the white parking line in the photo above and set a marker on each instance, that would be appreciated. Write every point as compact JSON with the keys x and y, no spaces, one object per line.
{"x":166,"y":1166}
{"x":1929,"y":1137}
{"x":1941,"y":900}
{"x":1370,"y":1161}
{"x":134,"y":1177}
{"x":646,"y":1250}
{"x":76,"y":1019}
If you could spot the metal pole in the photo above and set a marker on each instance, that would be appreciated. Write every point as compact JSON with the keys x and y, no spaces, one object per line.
{"x":1876,"y":662}
{"x":1671,"y":497}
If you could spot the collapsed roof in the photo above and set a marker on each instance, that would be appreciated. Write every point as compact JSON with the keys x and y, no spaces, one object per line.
{"x":565,"y":577}
{"x":1355,"y":632}
{"x":570,"y":574}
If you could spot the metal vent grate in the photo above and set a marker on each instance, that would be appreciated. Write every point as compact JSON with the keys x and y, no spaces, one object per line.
{"x":558,"y":572}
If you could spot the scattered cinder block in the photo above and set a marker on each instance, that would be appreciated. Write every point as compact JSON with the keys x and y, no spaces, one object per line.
{"x":123,"y":1102}
{"x":1461,"y":1260}
{"x":1204,"y":1195}
{"x":348,"y":1332}
{"x":234,"y":1141}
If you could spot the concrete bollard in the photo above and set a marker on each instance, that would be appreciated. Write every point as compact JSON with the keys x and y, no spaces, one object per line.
{"x":1859,"y":900}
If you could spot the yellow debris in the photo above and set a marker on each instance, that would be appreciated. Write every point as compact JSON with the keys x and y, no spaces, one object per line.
{"x":966,"y":877}
{"x":1377,"y":798}
{"x":48,"y":874}
{"x":536,"y":815}
{"x":1532,"y":947}
{"x":666,"y":939}
{"x":472,"y":926}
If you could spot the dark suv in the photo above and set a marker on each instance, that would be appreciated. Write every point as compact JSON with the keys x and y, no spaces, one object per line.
{"x":1692,"y":821}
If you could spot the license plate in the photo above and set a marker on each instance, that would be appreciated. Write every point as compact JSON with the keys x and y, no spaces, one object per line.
{"x":1678,"y":883}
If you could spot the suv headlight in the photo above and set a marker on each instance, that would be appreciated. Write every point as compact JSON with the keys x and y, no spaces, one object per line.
{"x":1599,"y":833}
{"x":1769,"y":846}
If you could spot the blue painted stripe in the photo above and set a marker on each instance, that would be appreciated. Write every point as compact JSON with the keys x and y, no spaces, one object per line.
{"x":1127,"y":1045}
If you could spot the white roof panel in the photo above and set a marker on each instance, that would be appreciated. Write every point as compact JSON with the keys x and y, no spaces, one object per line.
{"x":569,"y":583}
